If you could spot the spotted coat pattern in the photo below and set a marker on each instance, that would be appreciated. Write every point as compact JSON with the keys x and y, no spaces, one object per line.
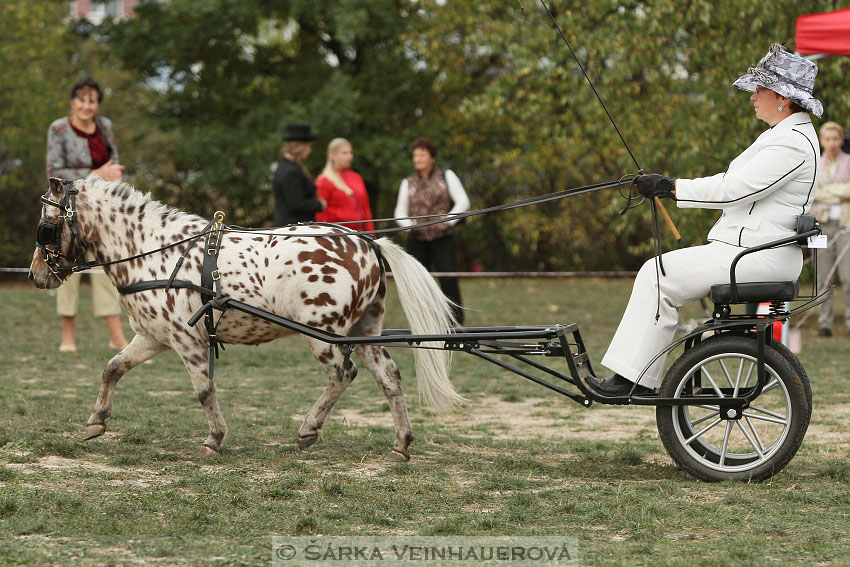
{"x":335,"y":283}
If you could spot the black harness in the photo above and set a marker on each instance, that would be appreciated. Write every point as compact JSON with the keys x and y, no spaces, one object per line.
{"x":210,"y":288}
{"x":49,"y":234}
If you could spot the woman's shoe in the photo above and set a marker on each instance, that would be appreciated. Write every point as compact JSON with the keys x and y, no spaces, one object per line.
{"x":72,"y":347}
{"x":616,"y":385}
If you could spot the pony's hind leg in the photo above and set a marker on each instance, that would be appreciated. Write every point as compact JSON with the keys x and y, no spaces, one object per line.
{"x":140,"y":349}
{"x":384,"y":369}
{"x":386,"y":373}
{"x":341,"y":373}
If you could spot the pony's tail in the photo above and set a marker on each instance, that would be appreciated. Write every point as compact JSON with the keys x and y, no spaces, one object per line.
{"x":429,"y":312}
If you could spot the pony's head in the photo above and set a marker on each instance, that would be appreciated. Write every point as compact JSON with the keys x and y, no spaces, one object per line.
{"x":59,"y":246}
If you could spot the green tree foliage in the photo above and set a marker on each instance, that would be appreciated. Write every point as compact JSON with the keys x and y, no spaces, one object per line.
{"x":201,"y":91}
{"x":41,"y":57}
{"x":233,"y":73}
{"x":32,"y":56}
{"x":523,"y":119}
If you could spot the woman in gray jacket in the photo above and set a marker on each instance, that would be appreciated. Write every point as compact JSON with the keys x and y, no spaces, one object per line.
{"x":77,"y":145}
{"x":760,"y":195}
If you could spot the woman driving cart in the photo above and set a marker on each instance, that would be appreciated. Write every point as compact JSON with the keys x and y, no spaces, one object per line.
{"x":760,"y":195}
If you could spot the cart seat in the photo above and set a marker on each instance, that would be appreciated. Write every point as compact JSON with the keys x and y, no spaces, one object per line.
{"x":755,"y":292}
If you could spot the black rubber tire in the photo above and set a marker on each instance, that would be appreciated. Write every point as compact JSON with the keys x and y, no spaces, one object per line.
{"x":798,"y":367}
{"x":783,"y":420}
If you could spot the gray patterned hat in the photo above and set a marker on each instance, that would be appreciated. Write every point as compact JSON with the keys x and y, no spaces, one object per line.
{"x":785,"y":73}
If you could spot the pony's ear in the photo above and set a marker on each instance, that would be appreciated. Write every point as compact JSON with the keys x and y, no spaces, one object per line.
{"x":55,"y":185}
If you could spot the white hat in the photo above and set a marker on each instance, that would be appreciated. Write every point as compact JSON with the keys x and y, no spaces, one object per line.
{"x":785,"y":73}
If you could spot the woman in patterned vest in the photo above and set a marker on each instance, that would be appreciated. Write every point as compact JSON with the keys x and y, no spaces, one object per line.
{"x":432,"y":191}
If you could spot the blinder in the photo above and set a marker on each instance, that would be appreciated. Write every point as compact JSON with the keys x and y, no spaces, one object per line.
{"x":48,"y":233}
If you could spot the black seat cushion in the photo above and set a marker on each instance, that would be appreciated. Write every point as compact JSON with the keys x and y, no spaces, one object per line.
{"x":755,"y":292}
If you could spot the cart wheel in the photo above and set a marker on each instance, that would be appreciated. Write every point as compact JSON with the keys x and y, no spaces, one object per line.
{"x":759,"y":443}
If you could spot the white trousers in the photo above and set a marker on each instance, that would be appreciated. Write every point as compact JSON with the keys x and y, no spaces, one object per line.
{"x":690,"y":274}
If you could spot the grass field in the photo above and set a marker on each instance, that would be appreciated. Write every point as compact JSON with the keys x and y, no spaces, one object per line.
{"x":516,"y":460}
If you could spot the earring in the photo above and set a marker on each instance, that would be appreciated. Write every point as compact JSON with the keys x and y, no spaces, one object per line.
{"x":780,"y":107}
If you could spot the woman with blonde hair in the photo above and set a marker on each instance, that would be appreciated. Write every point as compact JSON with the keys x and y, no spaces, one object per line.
{"x":832,"y":209}
{"x":295,"y":198}
{"x":343,"y":189}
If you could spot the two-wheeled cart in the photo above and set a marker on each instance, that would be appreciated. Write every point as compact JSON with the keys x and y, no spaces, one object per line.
{"x":735,"y":405}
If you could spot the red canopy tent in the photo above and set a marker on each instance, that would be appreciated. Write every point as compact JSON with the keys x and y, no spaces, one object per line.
{"x":827,"y":33}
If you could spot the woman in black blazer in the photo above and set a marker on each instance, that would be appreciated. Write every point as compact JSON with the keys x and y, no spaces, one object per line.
{"x":295,"y":198}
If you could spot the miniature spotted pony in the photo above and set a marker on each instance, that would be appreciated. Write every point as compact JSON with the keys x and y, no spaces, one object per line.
{"x":336,"y":283}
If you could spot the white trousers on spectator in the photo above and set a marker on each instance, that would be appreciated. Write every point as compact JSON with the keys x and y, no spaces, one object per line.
{"x":690,"y":274}
{"x":105,"y":298}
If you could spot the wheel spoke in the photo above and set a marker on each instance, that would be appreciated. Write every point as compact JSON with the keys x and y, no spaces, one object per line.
{"x":768,"y":412}
{"x":778,"y":420}
{"x":737,"y":384}
{"x":705,"y":417}
{"x":712,"y":382}
{"x":701,"y":431}
{"x":726,"y":372}
{"x":709,"y":408}
{"x":725,"y":444}
{"x":755,"y":433}
{"x":751,"y":366}
{"x":770,"y":386}
{"x":750,"y":439}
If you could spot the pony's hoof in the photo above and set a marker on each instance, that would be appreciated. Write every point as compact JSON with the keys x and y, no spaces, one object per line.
{"x":207,"y":451}
{"x":305,"y":441}
{"x":94,"y":430}
{"x":398,"y":456}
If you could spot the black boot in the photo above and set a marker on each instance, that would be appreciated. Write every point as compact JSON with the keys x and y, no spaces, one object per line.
{"x":616,"y":385}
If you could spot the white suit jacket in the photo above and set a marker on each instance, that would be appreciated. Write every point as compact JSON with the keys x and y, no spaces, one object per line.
{"x":765,"y":188}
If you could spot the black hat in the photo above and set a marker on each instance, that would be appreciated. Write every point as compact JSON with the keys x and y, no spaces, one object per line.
{"x":298,"y":132}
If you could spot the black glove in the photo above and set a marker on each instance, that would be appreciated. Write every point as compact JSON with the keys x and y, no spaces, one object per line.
{"x":654,"y":185}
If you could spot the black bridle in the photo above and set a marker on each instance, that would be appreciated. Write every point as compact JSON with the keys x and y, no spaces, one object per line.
{"x":48,"y":236}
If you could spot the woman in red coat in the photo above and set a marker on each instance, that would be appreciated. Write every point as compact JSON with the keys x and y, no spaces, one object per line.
{"x":343,"y":189}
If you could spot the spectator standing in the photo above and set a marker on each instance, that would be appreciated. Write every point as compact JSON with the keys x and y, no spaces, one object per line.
{"x":832,"y":209}
{"x":295,"y":198}
{"x":343,"y":189}
{"x":77,"y":145}
{"x":432,"y":191}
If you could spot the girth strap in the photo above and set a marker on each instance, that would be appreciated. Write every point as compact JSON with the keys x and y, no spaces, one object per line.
{"x":211,"y":280}
{"x":210,"y":288}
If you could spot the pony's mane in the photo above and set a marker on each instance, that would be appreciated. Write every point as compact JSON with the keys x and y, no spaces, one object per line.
{"x":121,"y":191}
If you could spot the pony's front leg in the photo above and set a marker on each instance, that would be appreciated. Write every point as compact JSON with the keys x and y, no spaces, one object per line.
{"x":195,"y":355}
{"x":341,"y":373}
{"x":140,"y":349}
